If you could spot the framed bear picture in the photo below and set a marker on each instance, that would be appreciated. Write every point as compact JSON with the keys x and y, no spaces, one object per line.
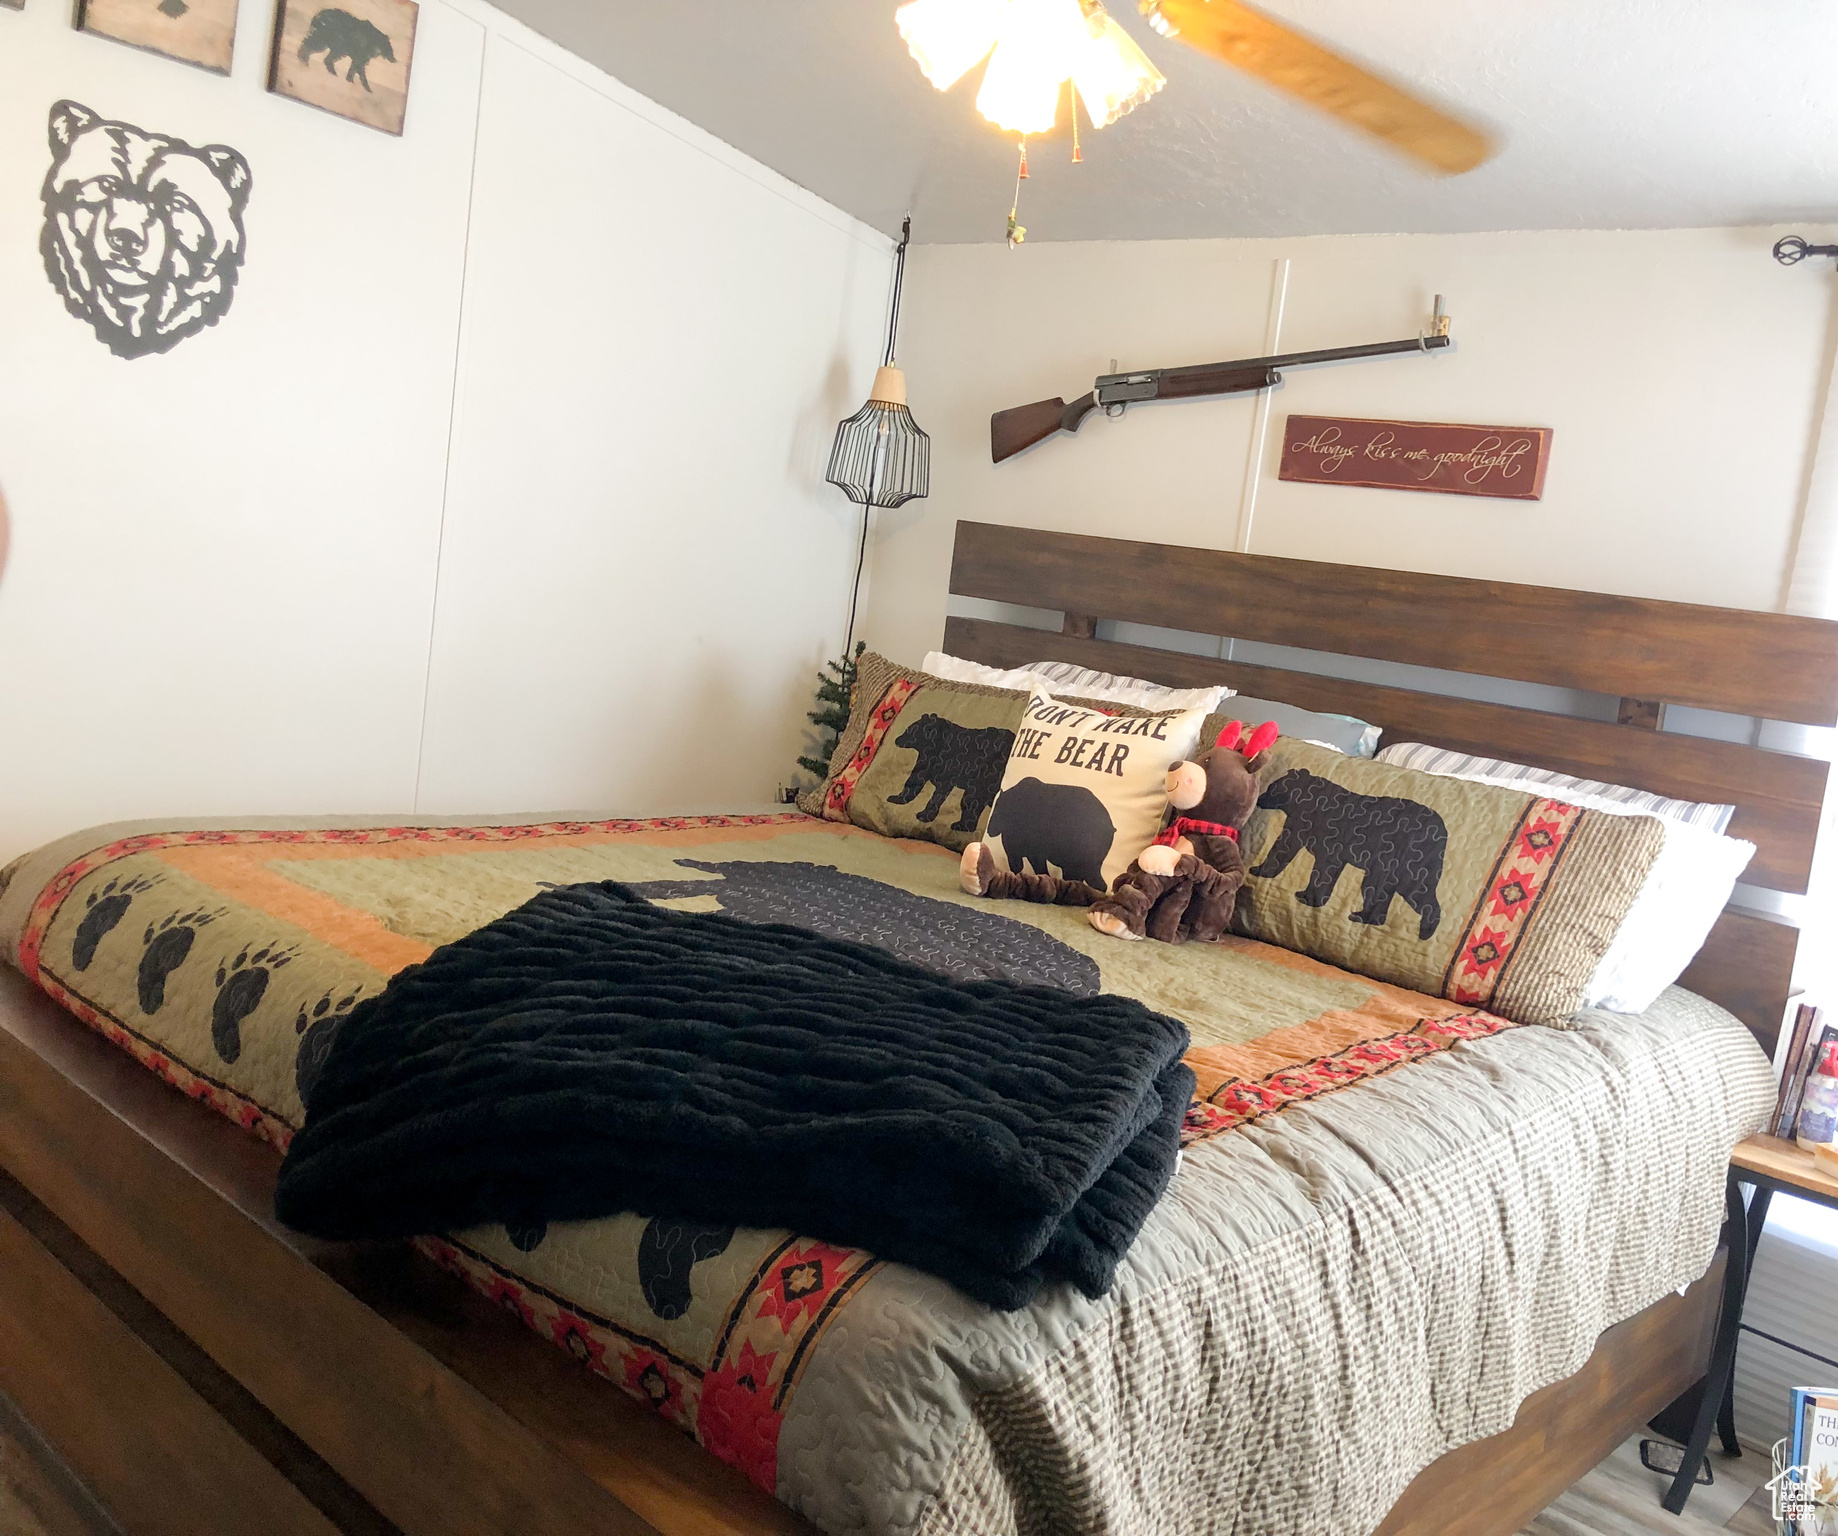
{"x":348,"y":56}
{"x":201,"y":32}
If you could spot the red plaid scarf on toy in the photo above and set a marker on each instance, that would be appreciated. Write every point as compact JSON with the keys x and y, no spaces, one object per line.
{"x":1182,"y":825}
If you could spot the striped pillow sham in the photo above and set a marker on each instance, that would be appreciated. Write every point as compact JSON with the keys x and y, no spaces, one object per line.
{"x":1460,"y":765}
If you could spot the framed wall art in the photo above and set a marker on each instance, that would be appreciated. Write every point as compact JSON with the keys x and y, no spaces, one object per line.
{"x":201,"y":32}
{"x":351,"y":57}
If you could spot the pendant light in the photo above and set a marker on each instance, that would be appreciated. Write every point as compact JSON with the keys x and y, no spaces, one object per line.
{"x":881,"y":457}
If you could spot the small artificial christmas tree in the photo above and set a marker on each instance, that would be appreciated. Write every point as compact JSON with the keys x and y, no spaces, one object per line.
{"x":832,"y":711}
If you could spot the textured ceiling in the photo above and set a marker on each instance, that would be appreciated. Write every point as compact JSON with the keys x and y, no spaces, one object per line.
{"x":1614,"y":113}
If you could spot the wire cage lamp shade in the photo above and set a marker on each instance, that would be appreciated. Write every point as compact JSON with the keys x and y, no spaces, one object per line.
{"x":882,"y":458}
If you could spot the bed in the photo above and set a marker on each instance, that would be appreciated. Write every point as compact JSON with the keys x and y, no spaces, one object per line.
{"x":1462,"y":1257}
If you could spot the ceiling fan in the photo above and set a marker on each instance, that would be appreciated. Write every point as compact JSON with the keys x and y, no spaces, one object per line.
{"x":1034,"y":46}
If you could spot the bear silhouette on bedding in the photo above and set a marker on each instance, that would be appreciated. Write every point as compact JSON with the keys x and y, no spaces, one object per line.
{"x":953,"y":756}
{"x":1061,"y":825}
{"x":1397,"y":844}
{"x":971,"y":944}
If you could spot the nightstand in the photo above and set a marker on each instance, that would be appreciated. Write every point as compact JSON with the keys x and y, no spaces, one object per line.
{"x":1765,"y":1164}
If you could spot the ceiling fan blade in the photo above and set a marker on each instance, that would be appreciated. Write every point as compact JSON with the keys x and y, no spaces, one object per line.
{"x":1264,"y":47}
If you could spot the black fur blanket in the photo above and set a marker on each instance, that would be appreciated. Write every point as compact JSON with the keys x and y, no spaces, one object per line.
{"x":590,"y":1053}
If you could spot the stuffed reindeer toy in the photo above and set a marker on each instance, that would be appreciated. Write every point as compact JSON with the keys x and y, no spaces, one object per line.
{"x":1183,"y":885}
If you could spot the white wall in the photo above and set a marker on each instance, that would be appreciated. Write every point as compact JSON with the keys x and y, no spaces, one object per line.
{"x":461,"y":448}
{"x":1681,"y":370}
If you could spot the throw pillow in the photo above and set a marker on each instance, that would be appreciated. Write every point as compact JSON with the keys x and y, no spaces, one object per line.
{"x":1070,"y":680}
{"x":1494,"y":898}
{"x":1084,"y":792}
{"x":1462,"y":765}
{"x":921,"y":756}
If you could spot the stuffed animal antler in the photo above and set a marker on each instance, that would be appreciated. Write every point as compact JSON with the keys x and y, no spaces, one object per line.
{"x":1255,"y":746}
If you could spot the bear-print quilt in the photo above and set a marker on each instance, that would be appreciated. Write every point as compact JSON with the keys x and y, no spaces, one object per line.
{"x":1395,"y":1217}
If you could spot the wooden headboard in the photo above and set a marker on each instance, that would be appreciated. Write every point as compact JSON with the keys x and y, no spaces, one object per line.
{"x":1645,"y":653}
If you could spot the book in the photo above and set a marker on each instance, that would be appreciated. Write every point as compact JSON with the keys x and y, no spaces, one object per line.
{"x":1814,"y":1447}
{"x":1798,"y":1067}
{"x":1816,"y":1114}
{"x":1803,"y":1021}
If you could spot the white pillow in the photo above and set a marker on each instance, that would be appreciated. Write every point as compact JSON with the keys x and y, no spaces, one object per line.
{"x":1079,"y":682}
{"x":1557,"y":786}
{"x":955,"y":669}
{"x":1685,"y":893}
{"x":1680,"y":901}
{"x":1084,"y":792}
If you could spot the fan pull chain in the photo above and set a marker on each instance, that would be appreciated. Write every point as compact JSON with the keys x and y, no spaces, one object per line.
{"x":1073,"y":101}
{"x":1017,"y":232}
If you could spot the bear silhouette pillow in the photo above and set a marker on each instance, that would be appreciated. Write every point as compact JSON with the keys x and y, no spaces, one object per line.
{"x":1084,"y":792}
{"x":921,"y":756}
{"x":1493,"y":898}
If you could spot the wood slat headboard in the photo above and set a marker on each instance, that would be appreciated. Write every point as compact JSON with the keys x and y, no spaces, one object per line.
{"x":1646,"y":653}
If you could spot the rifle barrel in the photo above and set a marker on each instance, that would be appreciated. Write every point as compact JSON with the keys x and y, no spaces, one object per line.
{"x":1372,"y":349}
{"x":1322,"y":355}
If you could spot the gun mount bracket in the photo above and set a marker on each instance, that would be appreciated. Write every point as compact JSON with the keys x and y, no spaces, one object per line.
{"x":1439,"y":326}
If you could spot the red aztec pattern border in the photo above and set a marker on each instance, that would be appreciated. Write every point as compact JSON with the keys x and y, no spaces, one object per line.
{"x":1239,"y":1101}
{"x":836,"y":797}
{"x":736,"y":1406}
{"x":1503,"y":916}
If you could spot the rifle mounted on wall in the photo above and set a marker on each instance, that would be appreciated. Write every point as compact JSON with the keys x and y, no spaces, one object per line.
{"x":1025,"y":425}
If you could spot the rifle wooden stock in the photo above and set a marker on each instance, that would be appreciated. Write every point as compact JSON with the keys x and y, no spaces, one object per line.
{"x":1025,"y":425}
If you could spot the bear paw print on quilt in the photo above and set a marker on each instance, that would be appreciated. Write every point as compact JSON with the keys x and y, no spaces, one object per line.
{"x":1084,"y":792}
{"x":1490,"y":897}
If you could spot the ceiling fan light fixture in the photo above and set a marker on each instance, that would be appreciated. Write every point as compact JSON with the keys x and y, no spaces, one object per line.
{"x":1033,"y":48}
{"x":1112,"y":75}
{"x":949,"y":38}
{"x":1041,"y":43}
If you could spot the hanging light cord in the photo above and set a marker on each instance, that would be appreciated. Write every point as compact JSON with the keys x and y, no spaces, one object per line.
{"x":855,"y":592}
{"x":893,"y":331}
{"x":899,"y":281}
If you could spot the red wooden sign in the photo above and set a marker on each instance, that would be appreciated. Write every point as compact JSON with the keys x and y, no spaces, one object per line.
{"x":1417,"y":456}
